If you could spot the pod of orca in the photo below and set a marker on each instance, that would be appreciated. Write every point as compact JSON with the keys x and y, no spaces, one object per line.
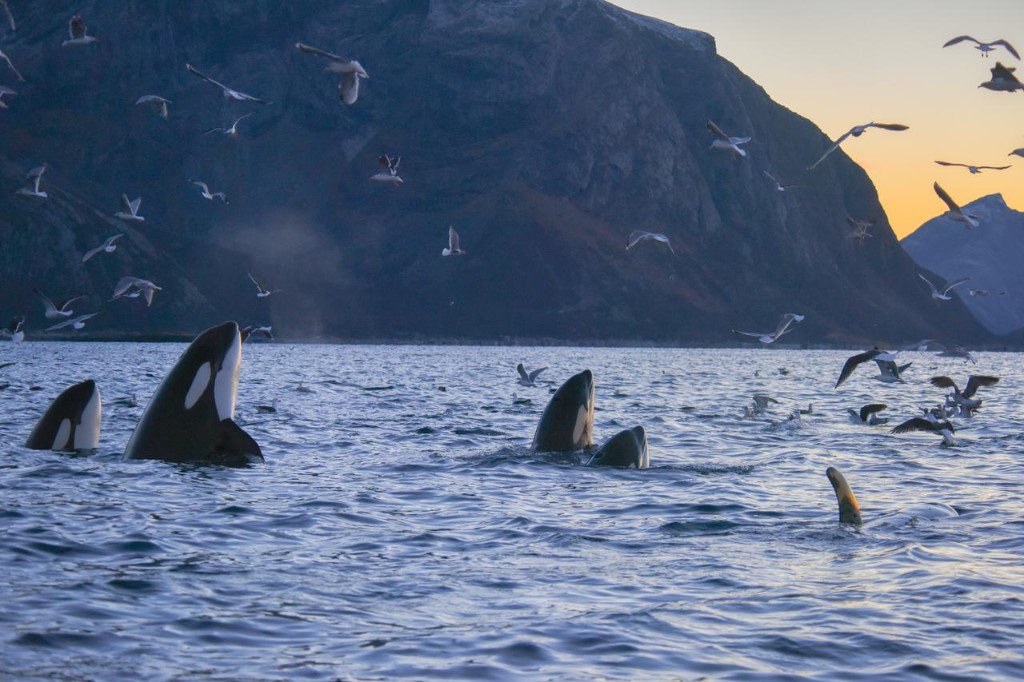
{"x":191,"y":419}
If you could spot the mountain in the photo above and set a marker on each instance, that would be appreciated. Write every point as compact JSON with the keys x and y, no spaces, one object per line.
{"x":991,"y":255}
{"x":545,"y":131}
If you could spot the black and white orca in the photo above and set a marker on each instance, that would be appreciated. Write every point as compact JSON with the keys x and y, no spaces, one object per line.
{"x":567,"y":424}
{"x":191,"y":416}
{"x":626,"y":449}
{"x":71,"y":423}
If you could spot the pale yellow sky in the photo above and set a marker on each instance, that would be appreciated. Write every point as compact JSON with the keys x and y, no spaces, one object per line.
{"x":842,"y":64}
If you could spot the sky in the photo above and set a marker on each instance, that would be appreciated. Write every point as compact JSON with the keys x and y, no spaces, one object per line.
{"x":841,"y":64}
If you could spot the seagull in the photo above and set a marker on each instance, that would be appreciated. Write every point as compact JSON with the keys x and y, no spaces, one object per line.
{"x":957,"y":352}
{"x":973,"y":169}
{"x":106,"y":247}
{"x":964,"y":398}
{"x":955,"y":212}
{"x":868,"y":414}
{"x":4,"y":91}
{"x":14,"y":329}
{"x":142,"y":286}
{"x":889,"y":372}
{"x":10,"y":65}
{"x":528,"y":379}
{"x":77,"y":32}
{"x":723,"y":141}
{"x":782,"y":328}
{"x":453,"y":244}
{"x":77,"y":323}
{"x":231,"y":130}
{"x":1002,"y":79}
{"x":859,"y":228}
{"x":35,"y":177}
{"x":228,"y":92}
{"x":637,"y":236}
{"x":351,"y":71}
{"x":856,"y":131}
{"x":206,"y":191}
{"x":778,"y":185}
{"x":250,"y":330}
{"x":158,"y":103}
{"x":761,"y":403}
{"x":984,"y":48}
{"x":390,"y":170}
{"x":985,"y":292}
{"x":56,"y":312}
{"x":944,"y":294}
{"x":260,"y":291}
{"x":131,"y":209}
{"x":1018,"y":152}
{"x":944,"y":428}
{"x":853,"y":362}
{"x":7,"y":13}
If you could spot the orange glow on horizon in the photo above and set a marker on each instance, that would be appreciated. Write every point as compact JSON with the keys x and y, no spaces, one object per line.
{"x":883,"y":61}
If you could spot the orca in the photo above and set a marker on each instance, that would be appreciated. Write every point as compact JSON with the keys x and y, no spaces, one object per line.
{"x":71,"y":423}
{"x":191,"y":415}
{"x":567,"y":423}
{"x":626,"y":449}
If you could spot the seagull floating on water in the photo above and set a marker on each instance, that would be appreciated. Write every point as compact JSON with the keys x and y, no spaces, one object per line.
{"x":130,"y":209}
{"x":142,"y":287}
{"x":54,"y":311}
{"x":984,"y":48}
{"x":390,"y":170}
{"x":77,"y":32}
{"x":77,"y":323}
{"x":637,"y":236}
{"x":106,"y":247}
{"x":231,"y":130}
{"x":868,"y":414}
{"x":944,"y":294}
{"x":4,"y":91}
{"x":955,"y":212}
{"x":856,"y":131}
{"x":35,"y":178}
{"x":783,"y":328}
{"x":973,"y":169}
{"x":206,"y":191}
{"x":1002,"y":79}
{"x":10,"y":65}
{"x":351,"y":71}
{"x":228,"y":92}
{"x":453,"y":244}
{"x":157,"y":102}
{"x":528,"y":379}
{"x":261,"y":292}
{"x":723,"y":141}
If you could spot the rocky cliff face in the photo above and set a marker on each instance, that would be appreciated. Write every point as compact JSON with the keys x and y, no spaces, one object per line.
{"x":991,"y":255}
{"x":545,"y":131}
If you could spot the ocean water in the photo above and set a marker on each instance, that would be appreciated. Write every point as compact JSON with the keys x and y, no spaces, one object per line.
{"x":401,"y":529}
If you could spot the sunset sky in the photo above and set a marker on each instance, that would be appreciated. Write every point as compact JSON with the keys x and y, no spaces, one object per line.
{"x":843,"y":64}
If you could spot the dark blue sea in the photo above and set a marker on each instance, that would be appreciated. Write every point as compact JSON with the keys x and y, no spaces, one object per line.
{"x":401,"y":529}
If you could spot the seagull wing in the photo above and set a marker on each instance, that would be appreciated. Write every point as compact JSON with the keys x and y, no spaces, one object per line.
{"x":993,"y":167}
{"x":914,"y":424}
{"x":1008,"y":46}
{"x":193,"y":70}
{"x":851,"y":364}
{"x":955,"y":283}
{"x":65,"y":303}
{"x":786,"y":320}
{"x":60,"y":325}
{"x":635,"y":237}
{"x":871,"y":409}
{"x":7,"y":13}
{"x":124,"y":284}
{"x":47,"y":303}
{"x":717,"y":132}
{"x":888,"y":367}
{"x":10,"y":64}
{"x":253,"y":280}
{"x":309,"y":49}
{"x":522,"y":372}
{"x":126,"y":204}
{"x":535,"y":373}
{"x":946,"y":198}
{"x":888,"y":126}
{"x":92,"y":252}
{"x":975,"y":381}
{"x":835,"y":146}
{"x":944,"y":382}
{"x":928,"y":281}
{"x":756,"y":335}
{"x":960,"y":39}
{"x":201,"y":185}
{"x":947,"y":163}
{"x":76,"y":27}
{"x":453,"y":239}
{"x":110,"y":240}
{"x":134,"y":206}
{"x":348,"y":88}
{"x":1005,"y":73}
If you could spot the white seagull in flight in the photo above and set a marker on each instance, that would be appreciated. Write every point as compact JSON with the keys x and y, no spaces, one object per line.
{"x":944,"y":294}
{"x":54,"y":311}
{"x":453,"y":244}
{"x":4,"y":91}
{"x":723,"y":141}
{"x":260,"y":291}
{"x":7,"y":13}
{"x":130,"y":209}
{"x":77,"y":32}
{"x":974,"y":170}
{"x":389,"y":172}
{"x":157,"y":102}
{"x":206,"y":191}
{"x":955,"y":212}
{"x":525,"y":378}
{"x":141,"y":286}
{"x":228,"y":92}
{"x":984,"y":48}
{"x":10,"y":65}
{"x":637,"y":236}
{"x":231,"y":130}
{"x":106,"y":247}
{"x":783,"y":327}
{"x":351,"y":71}
{"x":35,"y":177}
{"x":856,"y":131}
{"x":77,"y":323}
